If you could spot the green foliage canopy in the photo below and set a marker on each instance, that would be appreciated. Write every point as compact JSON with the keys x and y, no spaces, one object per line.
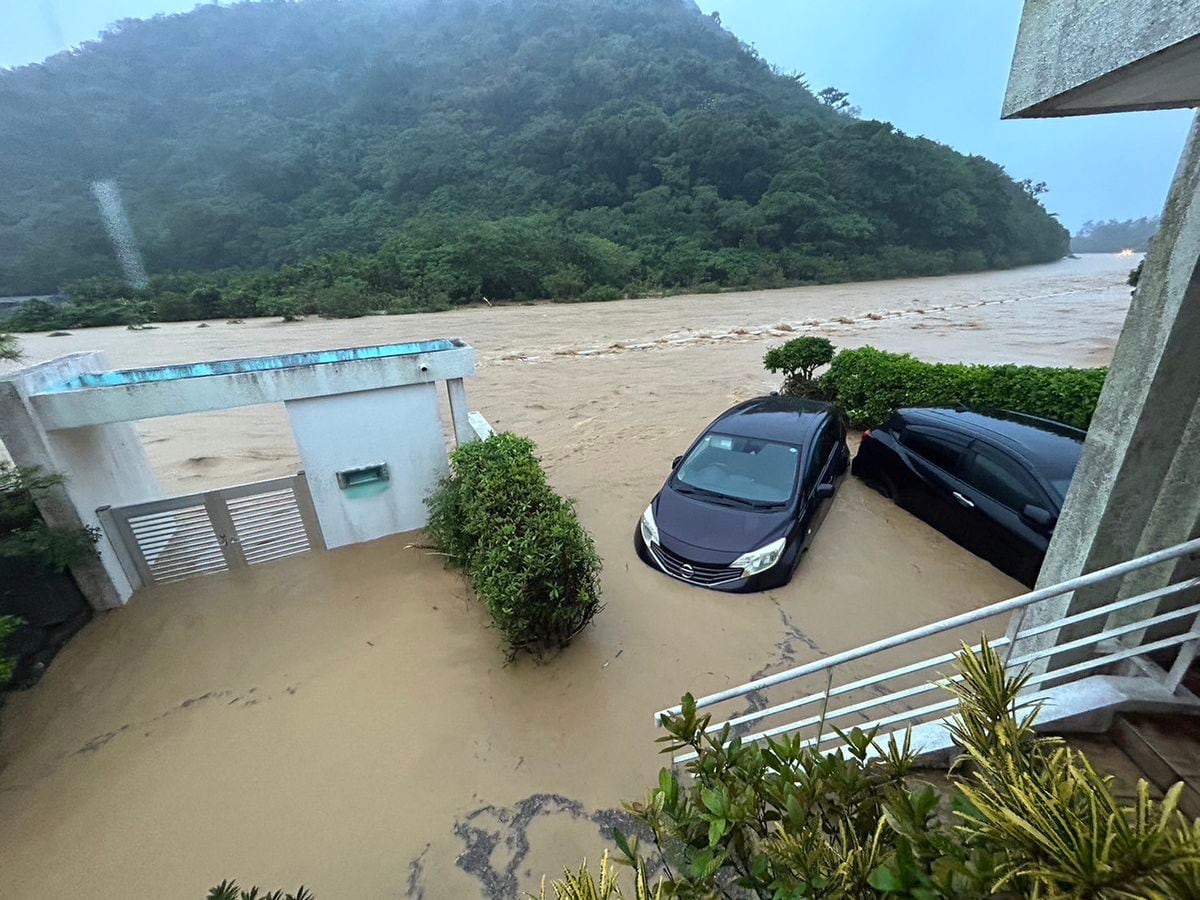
{"x":443,"y":152}
{"x":869,"y":385}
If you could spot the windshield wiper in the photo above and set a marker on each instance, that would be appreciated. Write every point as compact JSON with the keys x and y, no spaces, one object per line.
{"x":704,"y":492}
{"x":727,"y":499}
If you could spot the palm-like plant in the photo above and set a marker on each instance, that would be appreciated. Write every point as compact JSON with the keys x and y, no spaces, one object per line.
{"x":229,"y":890}
{"x":581,"y":885}
{"x":1062,"y":828}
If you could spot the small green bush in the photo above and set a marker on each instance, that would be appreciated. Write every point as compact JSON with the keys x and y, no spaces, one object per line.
{"x":10,"y":350}
{"x":528,"y":557}
{"x":799,"y":360}
{"x":869,"y":385}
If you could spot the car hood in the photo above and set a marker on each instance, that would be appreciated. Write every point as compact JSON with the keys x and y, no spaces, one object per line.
{"x":714,"y":526}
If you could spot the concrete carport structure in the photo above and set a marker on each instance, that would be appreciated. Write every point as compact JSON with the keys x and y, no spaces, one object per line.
{"x":1137,"y":488}
{"x":366,"y":422}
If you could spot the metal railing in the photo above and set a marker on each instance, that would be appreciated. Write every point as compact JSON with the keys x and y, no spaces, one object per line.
{"x":892,"y":690}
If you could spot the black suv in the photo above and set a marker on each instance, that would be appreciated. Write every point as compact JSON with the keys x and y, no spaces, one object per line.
{"x":994,"y":482}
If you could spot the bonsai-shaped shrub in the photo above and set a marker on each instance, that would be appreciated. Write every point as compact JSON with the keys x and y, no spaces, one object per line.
{"x":1031,"y":817}
{"x":799,"y":360}
{"x":528,"y":557}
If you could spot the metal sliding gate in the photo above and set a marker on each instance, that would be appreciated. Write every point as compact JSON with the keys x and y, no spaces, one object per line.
{"x":198,"y":534}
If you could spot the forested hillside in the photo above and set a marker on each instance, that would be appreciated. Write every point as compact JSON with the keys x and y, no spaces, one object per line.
{"x":369,"y":154}
{"x":1113,"y":236}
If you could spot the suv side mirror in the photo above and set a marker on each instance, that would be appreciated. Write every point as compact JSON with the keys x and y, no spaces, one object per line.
{"x":1036,"y":515}
{"x":676,"y":461}
{"x":824,"y":491}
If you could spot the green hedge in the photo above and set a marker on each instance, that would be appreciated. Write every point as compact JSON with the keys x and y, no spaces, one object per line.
{"x":528,"y":557}
{"x":869,"y":385}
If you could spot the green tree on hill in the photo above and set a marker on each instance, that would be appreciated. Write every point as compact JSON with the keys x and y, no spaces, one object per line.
{"x":445,"y":151}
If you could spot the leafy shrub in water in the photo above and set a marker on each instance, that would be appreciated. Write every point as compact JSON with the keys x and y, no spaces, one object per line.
{"x":869,"y":385}
{"x":1031,"y":817}
{"x":528,"y":557}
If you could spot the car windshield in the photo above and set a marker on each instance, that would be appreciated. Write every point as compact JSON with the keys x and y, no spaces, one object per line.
{"x":746,"y":469}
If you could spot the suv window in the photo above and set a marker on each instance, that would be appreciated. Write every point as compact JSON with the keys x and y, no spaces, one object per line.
{"x":821,"y":448}
{"x":1002,"y":478}
{"x":938,"y":447}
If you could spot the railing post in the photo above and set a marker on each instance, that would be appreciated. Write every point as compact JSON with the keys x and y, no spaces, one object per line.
{"x":1183,"y":660}
{"x":457,"y":393}
{"x":123,"y":542}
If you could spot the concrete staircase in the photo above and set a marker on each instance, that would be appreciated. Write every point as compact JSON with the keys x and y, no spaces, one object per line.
{"x":1165,"y":749}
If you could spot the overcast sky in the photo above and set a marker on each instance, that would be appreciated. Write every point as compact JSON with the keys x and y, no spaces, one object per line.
{"x":931,"y":67}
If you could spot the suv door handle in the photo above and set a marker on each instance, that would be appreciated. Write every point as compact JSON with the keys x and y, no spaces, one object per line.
{"x":965,"y":501}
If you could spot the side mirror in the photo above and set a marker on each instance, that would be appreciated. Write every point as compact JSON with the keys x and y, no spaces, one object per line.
{"x":676,"y":461}
{"x":824,"y":491}
{"x":1036,"y":515}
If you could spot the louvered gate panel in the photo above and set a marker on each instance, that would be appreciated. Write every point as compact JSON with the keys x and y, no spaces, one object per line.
{"x":168,"y":540}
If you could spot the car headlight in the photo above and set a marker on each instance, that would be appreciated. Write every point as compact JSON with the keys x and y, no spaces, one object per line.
{"x":649,"y":527}
{"x":761,"y":559}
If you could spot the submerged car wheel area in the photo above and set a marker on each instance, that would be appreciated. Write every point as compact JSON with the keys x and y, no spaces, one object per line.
{"x":741,"y":506}
{"x":993,"y":482}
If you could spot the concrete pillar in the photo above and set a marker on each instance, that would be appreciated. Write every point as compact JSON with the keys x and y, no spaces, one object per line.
{"x":457,"y":391}
{"x":1137,"y":488}
{"x":100,"y":465}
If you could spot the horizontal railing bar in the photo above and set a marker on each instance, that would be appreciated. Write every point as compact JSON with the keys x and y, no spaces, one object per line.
{"x":160,"y":526}
{"x":176,"y":565}
{"x":294,"y":550}
{"x":269,"y":542}
{"x":886,"y":720}
{"x":191,"y":542}
{"x":244,"y":501}
{"x":1099,"y":662}
{"x":270,"y":486}
{"x":181,"y":533}
{"x":269,"y":530}
{"x":276,"y":552}
{"x":275,"y":537}
{"x":276,"y":504}
{"x":852,"y":686}
{"x":172,"y":515}
{"x":1156,"y":594}
{"x":967,"y":618}
{"x":1109,"y":658}
{"x":157,"y":507}
{"x":1092,"y":639}
{"x":266,"y":517}
{"x":250,"y":504}
{"x":203,"y":539}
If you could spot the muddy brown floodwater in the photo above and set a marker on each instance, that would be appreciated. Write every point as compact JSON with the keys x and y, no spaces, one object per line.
{"x":346,"y":719}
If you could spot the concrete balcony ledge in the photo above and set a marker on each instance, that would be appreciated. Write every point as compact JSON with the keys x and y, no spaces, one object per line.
{"x":97,"y":398}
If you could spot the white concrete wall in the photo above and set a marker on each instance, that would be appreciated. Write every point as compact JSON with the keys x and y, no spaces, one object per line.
{"x":101,"y":465}
{"x":399,"y":426}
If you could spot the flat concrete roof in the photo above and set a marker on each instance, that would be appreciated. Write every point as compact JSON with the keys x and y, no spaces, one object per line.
{"x":1080,"y":57}
{"x":125,"y":395}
